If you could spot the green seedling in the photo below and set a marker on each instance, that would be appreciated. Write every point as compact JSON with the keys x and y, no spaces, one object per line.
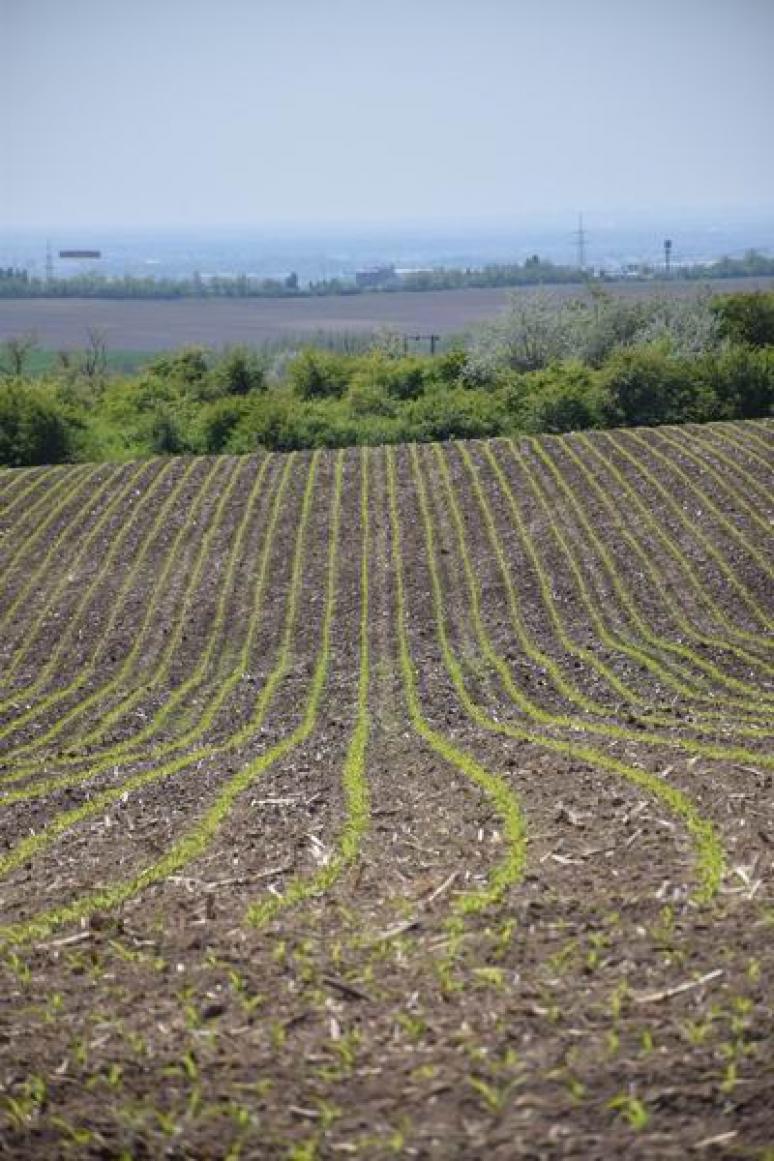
{"x":613,"y":1041}
{"x":75,"y":1135}
{"x":18,"y":967}
{"x":414,"y":1026}
{"x":493,"y":1097}
{"x":304,"y":1150}
{"x":631,"y":1109}
{"x":576,"y":1088}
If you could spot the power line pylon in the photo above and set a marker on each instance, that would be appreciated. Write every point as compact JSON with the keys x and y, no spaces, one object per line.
{"x":580,"y":237}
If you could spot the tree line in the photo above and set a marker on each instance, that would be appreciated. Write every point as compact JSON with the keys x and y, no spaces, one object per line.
{"x":544,"y":366}
{"x":535,"y":271}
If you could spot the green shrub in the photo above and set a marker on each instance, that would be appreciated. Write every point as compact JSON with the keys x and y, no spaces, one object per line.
{"x":217,"y":424}
{"x":404,"y":378}
{"x":367,"y":398}
{"x":450,"y":368}
{"x":740,"y":382}
{"x":318,"y":374}
{"x":380,"y":383}
{"x":644,"y":386}
{"x":187,"y":366}
{"x":167,"y":433}
{"x":455,"y":414}
{"x":35,"y":428}
{"x":747,"y":318}
{"x":563,"y":398}
{"x":240,"y":372}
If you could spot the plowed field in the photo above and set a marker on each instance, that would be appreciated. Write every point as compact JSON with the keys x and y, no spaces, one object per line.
{"x":391,"y":802}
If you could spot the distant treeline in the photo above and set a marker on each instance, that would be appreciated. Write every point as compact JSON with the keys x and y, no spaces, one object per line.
{"x":19,"y":283}
{"x":544,"y":366}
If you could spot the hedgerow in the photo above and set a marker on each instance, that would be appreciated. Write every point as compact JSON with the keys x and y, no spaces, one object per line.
{"x":542,"y":367}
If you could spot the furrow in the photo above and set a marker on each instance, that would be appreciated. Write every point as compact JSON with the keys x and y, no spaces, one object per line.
{"x":753,"y":435}
{"x":163,"y":473}
{"x":740,"y":503}
{"x":717,"y":443}
{"x":738,"y":441}
{"x":505,"y":802}
{"x":722,"y":520}
{"x":672,"y":661}
{"x":139,"y":683}
{"x":24,"y":483}
{"x":669,"y":592}
{"x":65,"y":572}
{"x":69,"y":492}
{"x":710,"y":859}
{"x":527,"y":705}
{"x":355,"y":786}
{"x":87,"y":668}
{"x":556,"y":609}
{"x":176,"y":752}
{"x":193,"y":844}
{"x":619,"y":638}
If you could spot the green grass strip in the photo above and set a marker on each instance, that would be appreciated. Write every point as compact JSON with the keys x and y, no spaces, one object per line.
{"x":510,"y":869}
{"x":527,"y":706}
{"x":196,"y":842}
{"x":710,"y":859}
{"x":354,"y":782}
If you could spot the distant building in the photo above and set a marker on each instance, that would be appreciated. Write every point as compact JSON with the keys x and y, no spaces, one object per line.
{"x":375,"y":276}
{"x":80,"y":253}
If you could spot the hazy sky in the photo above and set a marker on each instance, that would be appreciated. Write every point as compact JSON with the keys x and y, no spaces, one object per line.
{"x":141,"y":112}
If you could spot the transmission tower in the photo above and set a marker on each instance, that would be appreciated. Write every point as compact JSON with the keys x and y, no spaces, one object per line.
{"x":580,"y":237}
{"x":49,"y":261}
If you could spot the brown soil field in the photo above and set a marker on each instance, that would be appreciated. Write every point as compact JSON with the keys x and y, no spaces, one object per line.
{"x":153,"y":325}
{"x":408,"y":802}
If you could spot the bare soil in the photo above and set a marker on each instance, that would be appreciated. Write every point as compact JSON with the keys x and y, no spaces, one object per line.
{"x":156,"y":325}
{"x":530,"y":917}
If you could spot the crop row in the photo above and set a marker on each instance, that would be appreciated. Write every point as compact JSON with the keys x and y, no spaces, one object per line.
{"x":537,"y":599}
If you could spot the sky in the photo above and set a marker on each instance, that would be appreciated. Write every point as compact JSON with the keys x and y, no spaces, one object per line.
{"x":141,"y":113}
